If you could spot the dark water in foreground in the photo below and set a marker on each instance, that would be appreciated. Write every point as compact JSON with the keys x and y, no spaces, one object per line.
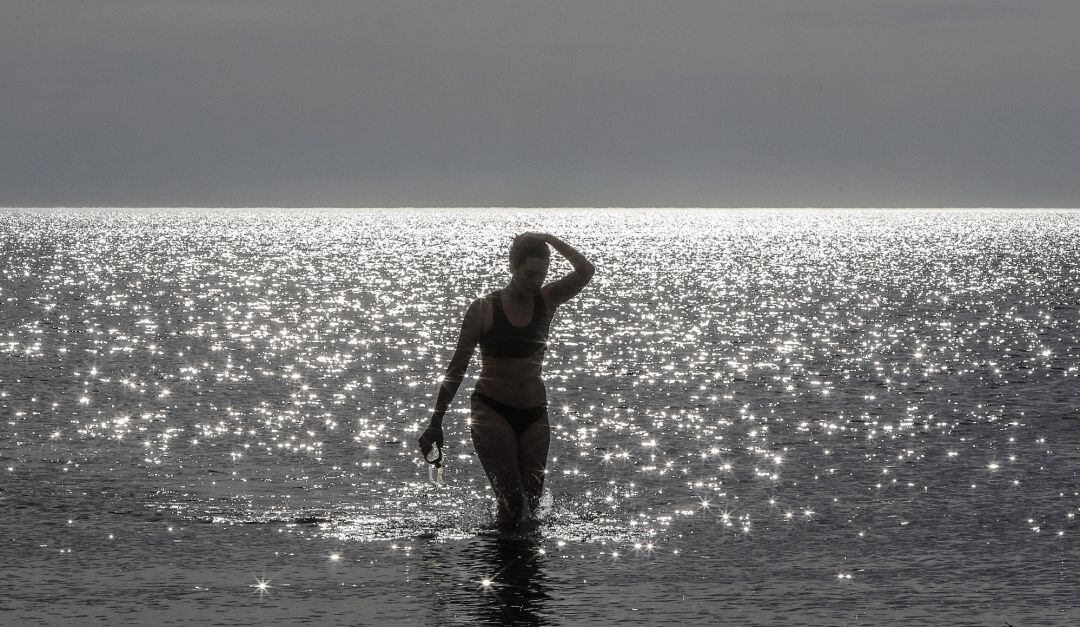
{"x":817,"y":417}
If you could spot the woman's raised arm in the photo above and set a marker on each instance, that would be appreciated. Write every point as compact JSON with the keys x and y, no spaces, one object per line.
{"x":558,"y":292}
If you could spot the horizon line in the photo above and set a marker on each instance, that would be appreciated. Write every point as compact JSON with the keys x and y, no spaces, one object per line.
{"x":737,"y":207}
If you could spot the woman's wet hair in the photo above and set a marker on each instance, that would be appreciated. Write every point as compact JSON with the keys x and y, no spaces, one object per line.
{"x":528,"y":245}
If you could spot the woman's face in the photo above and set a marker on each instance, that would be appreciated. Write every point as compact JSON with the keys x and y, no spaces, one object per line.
{"x":529,"y":276}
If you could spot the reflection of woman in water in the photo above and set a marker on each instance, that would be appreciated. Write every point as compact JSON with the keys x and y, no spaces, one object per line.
{"x":509,"y":421}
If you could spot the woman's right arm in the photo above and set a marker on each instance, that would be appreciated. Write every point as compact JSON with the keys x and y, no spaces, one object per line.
{"x":471,"y":330}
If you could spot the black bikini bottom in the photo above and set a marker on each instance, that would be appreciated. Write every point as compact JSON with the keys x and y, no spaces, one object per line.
{"x":519,"y":418}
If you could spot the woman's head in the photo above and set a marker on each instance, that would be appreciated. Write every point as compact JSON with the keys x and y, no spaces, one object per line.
{"x":528,"y":245}
{"x":529,"y":258}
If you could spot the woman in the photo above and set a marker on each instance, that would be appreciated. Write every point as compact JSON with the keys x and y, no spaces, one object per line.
{"x":509,"y":421}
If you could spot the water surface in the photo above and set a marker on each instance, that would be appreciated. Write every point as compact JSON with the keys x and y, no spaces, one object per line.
{"x":760,"y":416}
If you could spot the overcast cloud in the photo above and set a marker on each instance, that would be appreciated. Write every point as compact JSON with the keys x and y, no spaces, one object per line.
{"x":540,"y":103}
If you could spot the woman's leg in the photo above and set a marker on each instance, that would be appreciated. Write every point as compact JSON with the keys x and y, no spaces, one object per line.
{"x":497,"y":447}
{"x":532,"y":446}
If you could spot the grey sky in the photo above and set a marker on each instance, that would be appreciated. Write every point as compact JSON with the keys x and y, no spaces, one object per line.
{"x":540,"y":103}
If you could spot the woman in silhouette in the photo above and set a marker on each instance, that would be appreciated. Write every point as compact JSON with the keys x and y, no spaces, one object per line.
{"x":509,"y":421}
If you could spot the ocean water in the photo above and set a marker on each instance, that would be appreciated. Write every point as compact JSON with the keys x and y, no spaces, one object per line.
{"x":759,"y":417}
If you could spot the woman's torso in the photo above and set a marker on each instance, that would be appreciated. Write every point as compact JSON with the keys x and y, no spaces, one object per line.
{"x":512,"y":355}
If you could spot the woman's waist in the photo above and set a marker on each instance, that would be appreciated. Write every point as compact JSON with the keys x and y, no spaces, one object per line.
{"x":515,"y":403}
{"x":512,"y":368}
{"x":526,"y":393}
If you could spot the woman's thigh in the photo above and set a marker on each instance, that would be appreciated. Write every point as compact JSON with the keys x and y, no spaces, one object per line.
{"x":532,"y":446}
{"x":496,"y":445}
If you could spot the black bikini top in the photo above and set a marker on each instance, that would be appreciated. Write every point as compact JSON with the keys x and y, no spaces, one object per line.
{"x":507,"y":340}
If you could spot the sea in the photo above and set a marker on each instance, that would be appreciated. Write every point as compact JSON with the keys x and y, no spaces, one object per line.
{"x":759,"y":417}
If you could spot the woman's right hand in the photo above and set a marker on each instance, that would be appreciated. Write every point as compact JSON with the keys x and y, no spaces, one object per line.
{"x":432,"y":436}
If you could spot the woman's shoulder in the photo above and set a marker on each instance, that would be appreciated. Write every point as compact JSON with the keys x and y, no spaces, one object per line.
{"x":483,"y":305}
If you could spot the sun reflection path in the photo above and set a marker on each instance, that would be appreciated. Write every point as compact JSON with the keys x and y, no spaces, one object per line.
{"x":746,"y":376}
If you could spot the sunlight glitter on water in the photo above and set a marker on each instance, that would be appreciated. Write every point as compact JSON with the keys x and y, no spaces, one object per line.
{"x":776,"y":377}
